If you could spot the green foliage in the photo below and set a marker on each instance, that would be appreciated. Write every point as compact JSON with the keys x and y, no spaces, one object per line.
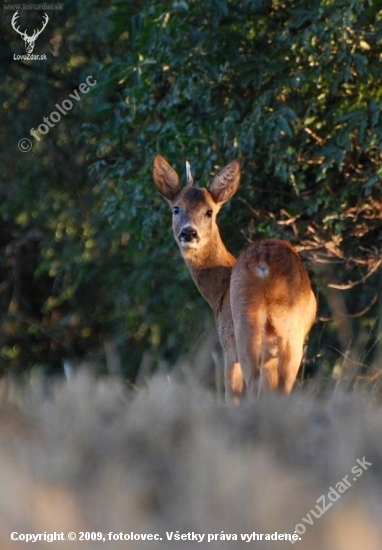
{"x":291,"y":88}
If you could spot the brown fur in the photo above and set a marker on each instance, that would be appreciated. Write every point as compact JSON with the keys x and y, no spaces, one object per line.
{"x":263,"y":302}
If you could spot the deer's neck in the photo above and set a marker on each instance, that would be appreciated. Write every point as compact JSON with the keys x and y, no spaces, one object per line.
{"x":210,"y":268}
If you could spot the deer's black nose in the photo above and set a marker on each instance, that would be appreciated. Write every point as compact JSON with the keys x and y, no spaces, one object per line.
{"x":188,"y":234}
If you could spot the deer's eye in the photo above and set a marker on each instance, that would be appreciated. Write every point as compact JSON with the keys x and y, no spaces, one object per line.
{"x":209,"y":213}
{"x":175,"y":210}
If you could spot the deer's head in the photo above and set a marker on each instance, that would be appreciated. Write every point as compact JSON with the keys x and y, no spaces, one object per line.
{"x":29,"y":40}
{"x":194,"y":209}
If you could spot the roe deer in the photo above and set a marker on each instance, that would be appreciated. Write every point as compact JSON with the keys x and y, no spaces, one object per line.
{"x":263,"y":301}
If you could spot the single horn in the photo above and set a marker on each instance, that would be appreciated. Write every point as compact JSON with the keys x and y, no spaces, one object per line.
{"x":190,"y":180}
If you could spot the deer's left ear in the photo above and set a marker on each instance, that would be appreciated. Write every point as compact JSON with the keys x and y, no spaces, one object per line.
{"x":226,"y":182}
{"x":166,"y":180}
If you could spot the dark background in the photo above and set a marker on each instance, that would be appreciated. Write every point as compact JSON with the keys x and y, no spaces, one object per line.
{"x":89,"y":269}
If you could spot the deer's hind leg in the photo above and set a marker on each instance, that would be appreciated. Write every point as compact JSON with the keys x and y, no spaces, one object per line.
{"x":258,"y":352}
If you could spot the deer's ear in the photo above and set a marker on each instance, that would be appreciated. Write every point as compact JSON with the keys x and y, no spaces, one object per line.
{"x":226,"y":182}
{"x":166,"y":180}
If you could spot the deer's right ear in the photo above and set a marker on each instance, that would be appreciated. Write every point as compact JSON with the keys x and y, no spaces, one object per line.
{"x":166,"y":180}
{"x":226,"y":183}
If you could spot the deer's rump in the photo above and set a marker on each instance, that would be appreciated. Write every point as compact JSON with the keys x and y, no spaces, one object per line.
{"x":270,"y":272}
{"x":273,"y":308}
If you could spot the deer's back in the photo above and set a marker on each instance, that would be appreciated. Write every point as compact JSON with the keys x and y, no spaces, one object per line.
{"x":270,"y":280}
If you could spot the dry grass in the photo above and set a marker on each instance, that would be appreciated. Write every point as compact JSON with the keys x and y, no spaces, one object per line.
{"x":97,"y":456}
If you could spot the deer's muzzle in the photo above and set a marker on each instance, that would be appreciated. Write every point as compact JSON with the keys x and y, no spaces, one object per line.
{"x":188,"y":237}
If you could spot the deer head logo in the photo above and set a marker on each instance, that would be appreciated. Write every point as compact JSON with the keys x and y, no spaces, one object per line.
{"x":29,"y":40}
